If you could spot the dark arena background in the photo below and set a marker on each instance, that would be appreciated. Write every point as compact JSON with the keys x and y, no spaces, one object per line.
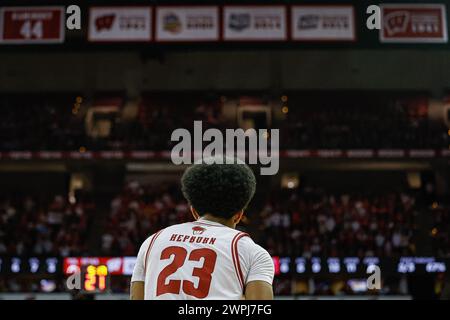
{"x":86,"y":117}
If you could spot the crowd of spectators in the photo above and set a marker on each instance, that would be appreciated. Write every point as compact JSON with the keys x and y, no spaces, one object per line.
{"x":44,"y":226}
{"x":39,"y":122}
{"x":356,"y":126}
{"x":303,"y":222}
{"x":294,"y":222}
{"x":291,"y":222}
{"x":138,"y":212}
{"x":58,"y":122}
{"x":440,"y":232}
{"x":312,"y":222}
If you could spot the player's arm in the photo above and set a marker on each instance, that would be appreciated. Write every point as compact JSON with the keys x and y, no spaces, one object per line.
{"x":258,"y":290}
{"x":138,"y":276}
{"x":261,"y":271}
{"x":137,"y":290}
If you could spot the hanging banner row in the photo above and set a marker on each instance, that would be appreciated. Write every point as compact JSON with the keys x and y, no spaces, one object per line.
{"x":401,"y":23}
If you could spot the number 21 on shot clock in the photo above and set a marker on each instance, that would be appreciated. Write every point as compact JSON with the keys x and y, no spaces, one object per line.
{"x":19,"y":25}
{"x":95,"y":279}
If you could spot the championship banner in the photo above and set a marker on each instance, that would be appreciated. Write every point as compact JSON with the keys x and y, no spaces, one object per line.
{"x":28,"y":25}
{"x":254,"y":23}
{"x":413,"y":23}
{"x":323,"y":23}
{"x":120,"y":24}
{"x":188,"y":23}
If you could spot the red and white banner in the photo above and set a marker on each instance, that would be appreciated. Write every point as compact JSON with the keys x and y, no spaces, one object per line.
{"x":254,"y":23}
{"x":188,"y":23}
{"x":120,"y":24}
{"x":323,"y":23}
{"x":414,"y":23}
{"x":23,"y":25}
{"x":116,"y":265}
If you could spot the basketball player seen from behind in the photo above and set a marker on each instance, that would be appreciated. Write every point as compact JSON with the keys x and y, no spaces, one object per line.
{"x":207,"y":258}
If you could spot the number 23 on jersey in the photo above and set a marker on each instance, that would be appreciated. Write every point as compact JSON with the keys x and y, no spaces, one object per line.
{"x":203,"y":273}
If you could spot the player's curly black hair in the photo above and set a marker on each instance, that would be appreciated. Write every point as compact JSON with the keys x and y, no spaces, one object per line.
{"x":221,"y":190}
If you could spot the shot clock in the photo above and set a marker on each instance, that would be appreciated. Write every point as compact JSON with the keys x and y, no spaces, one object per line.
{"x":94,"y":279}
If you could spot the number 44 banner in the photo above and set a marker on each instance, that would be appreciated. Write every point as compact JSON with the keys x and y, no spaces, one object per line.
{"x":19,"y":25}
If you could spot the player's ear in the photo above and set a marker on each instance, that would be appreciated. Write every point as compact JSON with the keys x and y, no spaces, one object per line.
{"x":194,"y":213}
{"x":238,"y":216}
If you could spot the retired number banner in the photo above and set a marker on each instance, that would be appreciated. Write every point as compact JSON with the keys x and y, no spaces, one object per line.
{"x":28,"y":25}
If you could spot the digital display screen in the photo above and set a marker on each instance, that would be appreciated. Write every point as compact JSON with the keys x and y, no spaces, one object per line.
{"x":116,"y":265}
{"x":355,"y":265}
{"x":30,"y":265}
{"x":283,"y":265}
{"x":427,"y":264}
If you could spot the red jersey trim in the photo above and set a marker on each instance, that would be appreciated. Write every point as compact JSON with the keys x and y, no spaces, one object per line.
{"x":149,"y":249}
{"x":235,"y":255}
{"x":207,"y":224}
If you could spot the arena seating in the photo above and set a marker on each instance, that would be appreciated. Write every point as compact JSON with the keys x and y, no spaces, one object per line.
{"x":112,"y":122}
{"x":44,"y":225}
{"x":306,"y":222}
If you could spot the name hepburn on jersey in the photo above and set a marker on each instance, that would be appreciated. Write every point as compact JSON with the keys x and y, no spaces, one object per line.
{"x":192,"y":239}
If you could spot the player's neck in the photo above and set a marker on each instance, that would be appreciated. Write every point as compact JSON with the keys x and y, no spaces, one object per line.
{"x":225,"y":222}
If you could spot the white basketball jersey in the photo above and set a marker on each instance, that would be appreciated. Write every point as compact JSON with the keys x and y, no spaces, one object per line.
{"x":200,"y":260}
